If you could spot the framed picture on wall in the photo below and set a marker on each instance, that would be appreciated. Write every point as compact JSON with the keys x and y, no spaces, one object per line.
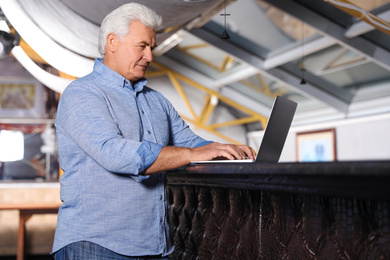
{"x":21,"y":98}
{"x":317,"y":146}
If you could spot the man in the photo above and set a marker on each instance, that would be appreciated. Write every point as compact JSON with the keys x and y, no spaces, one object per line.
{"x":116,"y":139}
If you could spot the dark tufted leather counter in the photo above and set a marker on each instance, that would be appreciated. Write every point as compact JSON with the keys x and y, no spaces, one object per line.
{"x":337,"y":210}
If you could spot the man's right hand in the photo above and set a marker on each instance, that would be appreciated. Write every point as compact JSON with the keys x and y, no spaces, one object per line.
{"x":172,"y":157}
{"x":217,"y":150}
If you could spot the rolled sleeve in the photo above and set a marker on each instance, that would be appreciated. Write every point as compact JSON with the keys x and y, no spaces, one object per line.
{"x":203,"y":143}
{"x":147,"y":153}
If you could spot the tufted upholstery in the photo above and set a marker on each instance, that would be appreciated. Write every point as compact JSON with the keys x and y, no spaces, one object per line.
{"x":214,"y":223}
{"x":337,"y":210}
{"x":226,"y":223}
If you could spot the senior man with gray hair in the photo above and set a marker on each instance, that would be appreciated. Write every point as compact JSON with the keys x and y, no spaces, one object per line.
{"x":116,"y":139}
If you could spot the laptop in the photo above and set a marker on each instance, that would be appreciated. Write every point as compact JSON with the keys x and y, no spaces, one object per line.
{"x":275,"y":134}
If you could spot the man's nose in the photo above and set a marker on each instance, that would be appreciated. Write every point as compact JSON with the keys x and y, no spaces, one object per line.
{"x":148,"y":54}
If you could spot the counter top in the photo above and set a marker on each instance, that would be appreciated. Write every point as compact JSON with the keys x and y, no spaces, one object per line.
{"x":363,"y":179}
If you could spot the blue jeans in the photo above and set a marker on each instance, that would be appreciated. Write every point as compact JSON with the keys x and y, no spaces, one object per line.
{"x":85,"y":250}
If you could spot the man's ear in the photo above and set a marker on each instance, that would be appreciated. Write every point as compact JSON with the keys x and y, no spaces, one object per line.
{"x":112,"y":41}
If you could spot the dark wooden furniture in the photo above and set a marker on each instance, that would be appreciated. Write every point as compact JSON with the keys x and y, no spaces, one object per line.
{"x":335,"y":210}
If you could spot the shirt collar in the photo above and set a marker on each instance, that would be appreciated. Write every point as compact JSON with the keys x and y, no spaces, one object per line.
{"x":115,"y":78}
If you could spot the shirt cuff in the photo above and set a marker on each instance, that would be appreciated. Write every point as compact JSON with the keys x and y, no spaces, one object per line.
{"x":148,"y":153}
{"x":204,"y":143}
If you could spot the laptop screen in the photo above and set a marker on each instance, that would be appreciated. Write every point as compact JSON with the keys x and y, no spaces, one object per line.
{"x":275,"y":134}
{"x":276,"y":131}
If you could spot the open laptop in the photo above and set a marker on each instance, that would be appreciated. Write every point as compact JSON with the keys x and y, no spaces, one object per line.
{"x":275,"y":134}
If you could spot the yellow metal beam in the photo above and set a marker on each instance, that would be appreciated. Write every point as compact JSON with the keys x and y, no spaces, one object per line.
{"x":194,"y":46}
{"x":361,"y":14}
{"x":240,"y":121}
{"x":226,"y":61}
{"x":182,"y":94}
{"x":65,"y":76}
{"x":263,"y":88}
{"x":212,"y":130}
{"x":264,"y":84}
{"x":209,"y":105}
{"x":31,"y":53}
{"x":204,"y":61}
{"x":219,"y":96}
{"x":157,"y":73}
{"x":206,"y":111}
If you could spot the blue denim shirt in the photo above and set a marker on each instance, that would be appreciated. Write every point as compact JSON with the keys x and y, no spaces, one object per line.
{"x":108,"y":133}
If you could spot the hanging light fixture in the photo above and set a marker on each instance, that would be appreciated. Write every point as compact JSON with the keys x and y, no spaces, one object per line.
{"x":302,"y":63}
{"x":225,"y":34}
{"x":303,"y":81}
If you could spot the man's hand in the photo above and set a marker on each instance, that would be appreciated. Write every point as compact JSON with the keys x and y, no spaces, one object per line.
{"x":172,"y":157}
{"x":222,"y":151}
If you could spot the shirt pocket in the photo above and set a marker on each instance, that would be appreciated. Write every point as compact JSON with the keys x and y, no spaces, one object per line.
{"x":160,"y":124}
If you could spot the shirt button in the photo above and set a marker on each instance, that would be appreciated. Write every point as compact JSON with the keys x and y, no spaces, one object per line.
{"x":143,"y":112}
{"x":161,"y":220}
{"x":149,"y":132}
{"x":161,"y":197}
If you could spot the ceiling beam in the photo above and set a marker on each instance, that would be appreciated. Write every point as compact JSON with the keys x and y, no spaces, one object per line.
{"x":309,"y":47}
{"x":361,"y":27}
{"x":331,"y":29}
{"x":319,"y":43}
{"x":361,"y":14}
{"x":208,"y":82}
{"x":277,"y":74}
{"x":242,"y":71}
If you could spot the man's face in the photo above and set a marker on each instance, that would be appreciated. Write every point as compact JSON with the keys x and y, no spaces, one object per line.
{"x":131,"y":56}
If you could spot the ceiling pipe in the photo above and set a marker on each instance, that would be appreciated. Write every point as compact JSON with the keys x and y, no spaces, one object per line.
{"x":361,"y":14}
{"x":52,"y":52}
{"x":51,"y":81}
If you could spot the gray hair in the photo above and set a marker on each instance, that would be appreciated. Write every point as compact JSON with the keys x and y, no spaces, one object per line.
{"x":119,"y":20}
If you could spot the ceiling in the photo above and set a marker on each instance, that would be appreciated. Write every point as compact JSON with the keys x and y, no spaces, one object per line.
{"x":273,"y":46}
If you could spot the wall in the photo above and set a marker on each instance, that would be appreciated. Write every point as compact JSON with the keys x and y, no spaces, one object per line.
{"x":364,"y":138}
